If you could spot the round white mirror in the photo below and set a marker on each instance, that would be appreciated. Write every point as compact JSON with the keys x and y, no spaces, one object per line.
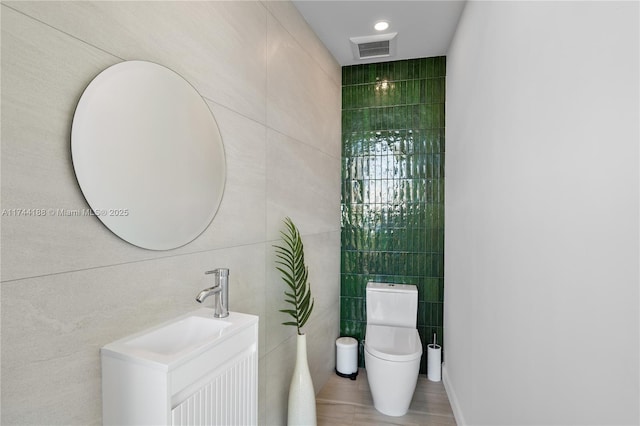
{"x":148,"y":155}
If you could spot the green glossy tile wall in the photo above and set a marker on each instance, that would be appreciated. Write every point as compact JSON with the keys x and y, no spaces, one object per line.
{"x":393,"y":144}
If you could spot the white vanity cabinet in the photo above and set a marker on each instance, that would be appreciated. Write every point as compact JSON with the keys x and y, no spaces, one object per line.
{"x":195,"y":370}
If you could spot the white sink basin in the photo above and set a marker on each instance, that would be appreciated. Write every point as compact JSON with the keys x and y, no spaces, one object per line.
{"x":192,"y":367}
{"x":177,"y":336}
{"x":174,"y":342}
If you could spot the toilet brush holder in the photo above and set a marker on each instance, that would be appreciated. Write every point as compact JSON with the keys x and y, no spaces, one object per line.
{"x":434,"y":362}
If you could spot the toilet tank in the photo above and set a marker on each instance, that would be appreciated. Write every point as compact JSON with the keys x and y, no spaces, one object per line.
{"x":392,"y":304}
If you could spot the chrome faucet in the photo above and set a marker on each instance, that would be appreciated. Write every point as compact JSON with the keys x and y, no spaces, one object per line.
{"x":220,"y":290}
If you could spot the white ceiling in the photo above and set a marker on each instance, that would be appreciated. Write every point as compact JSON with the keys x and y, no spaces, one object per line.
{"x":425,"y":28}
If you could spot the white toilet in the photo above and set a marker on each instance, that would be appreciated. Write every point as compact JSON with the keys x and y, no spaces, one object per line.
{"x":392,"y":348}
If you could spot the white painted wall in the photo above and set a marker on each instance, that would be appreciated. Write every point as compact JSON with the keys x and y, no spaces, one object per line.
{"x":69,"y":286}
{"x":541,"y":294}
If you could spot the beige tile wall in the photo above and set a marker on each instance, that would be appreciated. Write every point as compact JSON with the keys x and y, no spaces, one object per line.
{"x":69,"y":286}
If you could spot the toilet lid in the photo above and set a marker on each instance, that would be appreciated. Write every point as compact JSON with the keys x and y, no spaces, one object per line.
{"x":393,"y":343}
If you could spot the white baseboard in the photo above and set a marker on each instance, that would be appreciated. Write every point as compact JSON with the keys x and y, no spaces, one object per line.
{"x":453,"y":399}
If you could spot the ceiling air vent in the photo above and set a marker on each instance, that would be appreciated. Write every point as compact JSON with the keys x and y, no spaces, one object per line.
{"x":375,"y":46}
{"x":374,"y":49}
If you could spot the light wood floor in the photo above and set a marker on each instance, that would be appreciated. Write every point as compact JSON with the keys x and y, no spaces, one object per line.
{"x":346,"y":402}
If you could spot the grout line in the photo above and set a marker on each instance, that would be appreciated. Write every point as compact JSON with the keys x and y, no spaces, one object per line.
{"x":62,"y":32}
{"x":307,"y":144}
{"x":347,"y":403}
{"x":207,"y":99}
{"x":111,"y":265}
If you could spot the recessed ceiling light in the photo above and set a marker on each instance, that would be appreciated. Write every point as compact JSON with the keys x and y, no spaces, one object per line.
{"x":381,"y":25}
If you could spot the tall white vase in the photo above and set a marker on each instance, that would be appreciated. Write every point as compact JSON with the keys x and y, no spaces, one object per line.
{"x":302,"y":397}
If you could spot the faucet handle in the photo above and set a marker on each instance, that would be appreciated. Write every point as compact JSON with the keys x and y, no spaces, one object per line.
{"x":223,"y":272}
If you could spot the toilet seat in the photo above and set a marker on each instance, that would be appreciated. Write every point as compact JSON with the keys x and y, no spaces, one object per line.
{"x":399,"y":344}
